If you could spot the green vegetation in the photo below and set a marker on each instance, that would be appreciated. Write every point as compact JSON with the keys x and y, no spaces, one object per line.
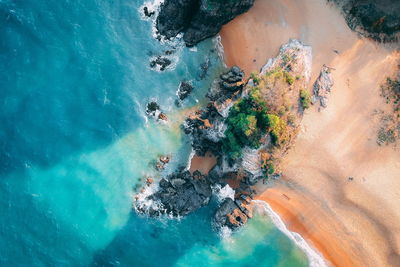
{"x":256,"y":78}
{"x":279,"y":73}
{"x":305,"y":99}
{"x":289,"y":78}
{"x":287,"y":59}
{"x":247,"y":122}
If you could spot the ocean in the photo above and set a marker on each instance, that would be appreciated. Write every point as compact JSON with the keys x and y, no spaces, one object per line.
{"x":75,"y":143}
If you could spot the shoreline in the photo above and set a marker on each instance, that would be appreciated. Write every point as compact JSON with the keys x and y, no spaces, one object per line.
{"x":347,"y":232}
{"x":314,"y":256}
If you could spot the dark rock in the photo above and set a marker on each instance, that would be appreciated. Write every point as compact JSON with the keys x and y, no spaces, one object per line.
{"x":169,"y":52}
{"x":152,"y":108}
{"x":204,"y":69}
{"x":160,"y":61}
{"x":147,"y":13}
{"x":182,"y":194}
{"x":375,"y":19}
{"x":177,"y":182}
{"x":185,"y":88}
{"x":232,"y":214}
{"x":210,"y":17}
{"x":198,"y":19}
{"x":164,"y":183}
{"x":175,"y":16}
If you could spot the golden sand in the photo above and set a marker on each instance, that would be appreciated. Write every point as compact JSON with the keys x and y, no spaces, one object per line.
{"x":353,"y":222}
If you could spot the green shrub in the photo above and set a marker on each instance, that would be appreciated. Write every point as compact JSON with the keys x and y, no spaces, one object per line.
{"x":277,"y":128}
{"x":289,"y":78}
{"x":256,"y":78}
{"x":305,"y":99}
{"x":246,"y":123}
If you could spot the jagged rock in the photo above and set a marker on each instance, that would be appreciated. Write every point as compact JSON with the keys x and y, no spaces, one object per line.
{"x":175,"y":16}
{"x":182,"y":194}
{"x":210,"y":17}
{"x":232,"y":214}
{"x":378,"y":20}
{"x":198,"y":19}
{"x":148,"y":13}
{"x":152,"y":108}
{"x":161,"y":62}
{"x":322,"y":86}
{"x":185,"y":88}
{"x":164,"y":183}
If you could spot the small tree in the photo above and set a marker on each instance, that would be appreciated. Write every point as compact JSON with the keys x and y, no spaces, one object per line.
{"x":305,"y":99}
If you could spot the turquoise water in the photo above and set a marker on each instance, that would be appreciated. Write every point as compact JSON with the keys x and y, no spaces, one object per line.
{"x":74,"y":142}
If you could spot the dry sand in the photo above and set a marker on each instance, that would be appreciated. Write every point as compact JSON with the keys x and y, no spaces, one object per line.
{"x":352,"y":222}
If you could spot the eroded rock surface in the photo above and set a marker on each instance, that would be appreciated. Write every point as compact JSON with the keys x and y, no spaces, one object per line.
{"x":197,"y":19}
{"x":322,"y":86}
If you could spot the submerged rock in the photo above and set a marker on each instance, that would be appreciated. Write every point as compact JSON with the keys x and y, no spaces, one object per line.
{"x":198,"y":19}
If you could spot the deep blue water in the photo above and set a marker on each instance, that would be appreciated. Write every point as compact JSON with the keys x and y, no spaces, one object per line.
{"x":74,"y":141}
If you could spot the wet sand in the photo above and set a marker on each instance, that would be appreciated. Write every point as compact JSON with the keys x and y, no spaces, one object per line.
{"x":353,"y":222}
{"x":203,"y":164}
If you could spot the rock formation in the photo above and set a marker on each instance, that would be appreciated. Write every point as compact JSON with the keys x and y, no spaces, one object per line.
{"x":322,"y":86}
{"x":179,"y":194}
{"x":182,"y":193}
{"x":197,"y":19}
{"x":376,"y":19}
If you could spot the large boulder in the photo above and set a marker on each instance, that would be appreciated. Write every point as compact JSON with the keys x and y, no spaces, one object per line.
{"x":322,"y":86}
{"x":179,"y":194}
{"x":211,"y":16}
{"x":198,"y":19}
{"x":376,"y":19}
{"x":233,"y":213}
{"x":175,"y":16}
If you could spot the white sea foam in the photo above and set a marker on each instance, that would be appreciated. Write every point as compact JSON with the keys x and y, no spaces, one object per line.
{"x":191,"y":155}
{"x":225,"y":233}
{"x":143,"y":203}
{"x":223,"y":193}
{"x":315,"y":258}
{"x":220,"y":48}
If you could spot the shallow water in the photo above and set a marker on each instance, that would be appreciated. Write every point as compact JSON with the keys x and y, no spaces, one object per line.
{"x":74,"y":142}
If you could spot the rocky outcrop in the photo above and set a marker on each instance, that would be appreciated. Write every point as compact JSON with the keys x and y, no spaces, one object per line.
{"x":160,"y":63}
{"x":153,"y":110}
{"x":375,"y":19}
{"x":233,"y":213}
{"x":197,"y":19}
{"x":179,"y":194}
{"x":184,"y":90}
{"x":322,"y":86}
{"x":206,"y":127}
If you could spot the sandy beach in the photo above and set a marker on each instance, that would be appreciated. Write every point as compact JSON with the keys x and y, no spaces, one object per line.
{"x":340,"y":190}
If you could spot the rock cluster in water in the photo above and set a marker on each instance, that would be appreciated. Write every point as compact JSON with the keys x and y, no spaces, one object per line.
{"x":197,"y":19}
{"x":181,"y":193}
